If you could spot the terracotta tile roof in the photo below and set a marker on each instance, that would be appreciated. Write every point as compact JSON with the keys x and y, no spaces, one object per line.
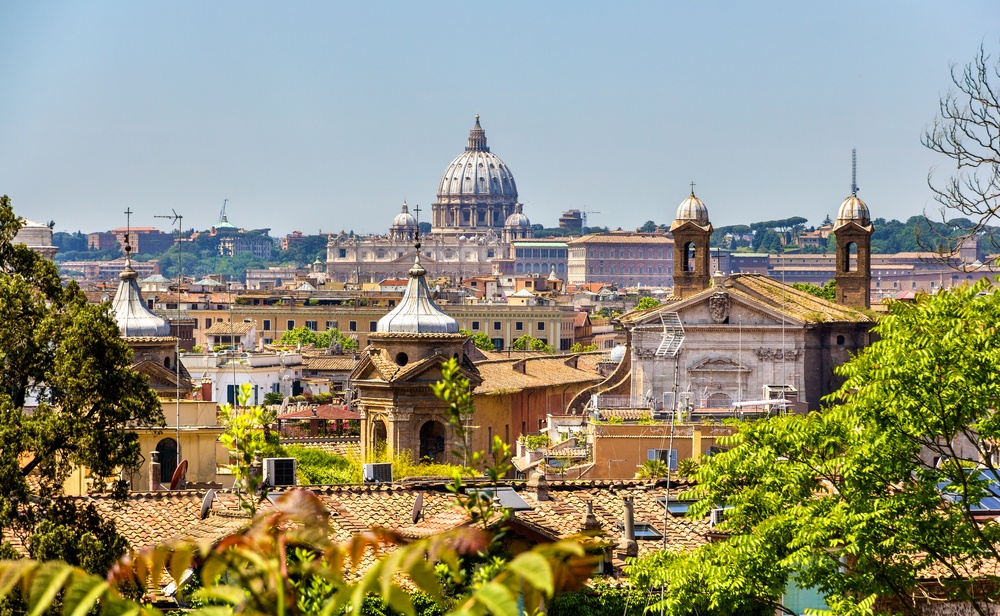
{"x":325,"y":411}
{"x":148,"y":518}
{"x":503,"y":376}
{"x":341,"y":363}
{"x":622,"y":237}
{"x":224,"y":329}
{"x":775,"y":295}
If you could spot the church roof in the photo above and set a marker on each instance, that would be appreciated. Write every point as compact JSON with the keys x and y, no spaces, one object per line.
{"x":770,"y":293}
{"x":477,"y":171}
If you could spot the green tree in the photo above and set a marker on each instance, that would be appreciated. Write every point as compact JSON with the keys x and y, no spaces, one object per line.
{"x":648,"y":227}
{"x":579,"y":347}
{"x":866,"y":497}
{"x":481,"y":340}
{"x":647,"y":302}
{"x":321,"y":340}
{"x":529,"y":343}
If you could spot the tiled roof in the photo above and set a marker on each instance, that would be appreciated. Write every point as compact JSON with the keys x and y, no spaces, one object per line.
{"x":225,"y":329}
{"x":325,"y":411}
{"x":621,"y":237}
{"x":338,"y":363}
{"x":503,"y":376}
{"x":775,"y":295}
{"x":149,"y":518}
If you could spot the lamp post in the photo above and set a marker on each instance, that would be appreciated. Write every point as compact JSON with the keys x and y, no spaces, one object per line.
{"x":179,"y":219}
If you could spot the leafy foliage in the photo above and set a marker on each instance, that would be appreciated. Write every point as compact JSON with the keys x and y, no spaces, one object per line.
{"x":647,"y":302}
{"x":322,"y":340}
{"x":828,"y":291}
{"x":579,"y":347}
{"x":481,"y":340}
{"x":247,"y":436}
{"x":852,"y":500}
{"x":529,"y":343}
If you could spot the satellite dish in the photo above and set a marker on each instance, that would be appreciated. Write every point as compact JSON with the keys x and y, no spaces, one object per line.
{"x":418,"y":506}
{"x":179,"y":474}
{"x":206,"y":503}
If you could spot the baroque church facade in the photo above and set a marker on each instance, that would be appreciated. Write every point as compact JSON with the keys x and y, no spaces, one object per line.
{"x":473,"y":221}
{"x":721,"y":342}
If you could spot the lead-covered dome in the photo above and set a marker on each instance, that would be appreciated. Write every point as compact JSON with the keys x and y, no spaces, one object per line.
{"x":417,"y":313}
{"x":404,"y":220}
{"x":517,"y":220}
{"x":694,"y":210}
{"x":477,"y":172}
{"x":134,"y":318}
{"x":853,"y":209}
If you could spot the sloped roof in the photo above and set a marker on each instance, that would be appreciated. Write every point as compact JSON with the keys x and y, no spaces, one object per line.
{"x":333,"y":363}
{"x":223,"y":328}
{"x":505,"y":375}
{"x":766,"y":292}
{"x":325,"y":411}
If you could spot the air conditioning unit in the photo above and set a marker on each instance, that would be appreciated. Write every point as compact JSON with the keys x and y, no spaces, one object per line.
{"x":716,"y":517}
{"x":280,"y":471}
{"x":378,"y":473}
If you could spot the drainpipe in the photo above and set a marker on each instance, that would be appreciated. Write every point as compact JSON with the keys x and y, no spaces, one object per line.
{"x":627,"y":546}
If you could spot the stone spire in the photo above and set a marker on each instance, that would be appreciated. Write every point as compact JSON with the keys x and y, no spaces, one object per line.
{"x":477,"y":138}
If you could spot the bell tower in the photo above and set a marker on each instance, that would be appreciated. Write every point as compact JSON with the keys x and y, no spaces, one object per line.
{"x":853,"y":231}
{"x":692,"y":233}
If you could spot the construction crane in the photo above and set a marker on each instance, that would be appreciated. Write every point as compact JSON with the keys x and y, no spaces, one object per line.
{"x":222,"y":214}
{"x":583,"y":216}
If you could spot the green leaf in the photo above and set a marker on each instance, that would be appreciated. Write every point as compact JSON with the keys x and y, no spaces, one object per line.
{"x":11,"y":572}
{"x":82,"y":594}
{"x":221,"y":592}
{"x":535,"y":570}
{"x":47,"y":583}
{"x":498,"y":599}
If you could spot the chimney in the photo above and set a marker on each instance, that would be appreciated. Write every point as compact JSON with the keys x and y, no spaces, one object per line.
{"x":627,"y":546}
{"x":589,"y":519}
{"x":206,"y":390}
{"x":154,"y":471}
{"x":538,"y":484}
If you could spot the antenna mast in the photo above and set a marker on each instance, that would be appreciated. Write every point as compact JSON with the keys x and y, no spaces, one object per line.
{"x":854,"y":171}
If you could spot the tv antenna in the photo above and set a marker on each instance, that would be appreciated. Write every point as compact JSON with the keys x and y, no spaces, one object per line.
{"x":174,"y":217}
{"x":854,"y":171}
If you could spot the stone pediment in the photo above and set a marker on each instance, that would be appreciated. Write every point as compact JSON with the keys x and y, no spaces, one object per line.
{"x":378,"y":367}
{"x":718,"y":364}
{"x":711,"y":307}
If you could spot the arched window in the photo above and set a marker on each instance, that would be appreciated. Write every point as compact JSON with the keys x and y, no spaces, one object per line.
{"x":432,"y":436}
{"x":167,"y":454}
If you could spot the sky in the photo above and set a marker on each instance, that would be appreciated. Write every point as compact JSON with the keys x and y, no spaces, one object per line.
{"x":322,"y":116}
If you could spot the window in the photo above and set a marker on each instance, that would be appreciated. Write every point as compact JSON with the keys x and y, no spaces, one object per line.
{"x":475,"y":326}
{"x":352,"y":326}
{"x":497,"y":343}
{"x":208,"y":322}
{"x":643,"y":530}
{"x":564,"y":344}
{"x":342,"y":253}
{"x":290,"y":324}
{"x":497,"y":325}
{"x":373,"y":326}
{"x":541,"y":326}
{"x":675,"y":507}
{"x":519,"y":326}
{"x":665,"y":455}
{"x":331,"y":325}
{"x":489,"y":439}
{"x":267,"y":325}
{"x":311,"y":325}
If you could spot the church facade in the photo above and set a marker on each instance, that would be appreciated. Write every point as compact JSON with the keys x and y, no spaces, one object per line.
{"x":724,"y":341}
{"x":474,"y":220}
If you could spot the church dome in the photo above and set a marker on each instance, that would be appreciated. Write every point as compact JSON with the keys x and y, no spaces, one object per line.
{"x":853,"y":209}
{"x":404,"y":220}
{"x":134,"y":318}
{"x":477,"y":172}
{"x":617,"y":353}
{"x":517,"y":220}
{"x":694,"y":210}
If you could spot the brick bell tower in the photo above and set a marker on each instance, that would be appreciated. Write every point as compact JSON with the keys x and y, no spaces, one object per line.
{"x":692,"y":233}
{"x":853,"y":231}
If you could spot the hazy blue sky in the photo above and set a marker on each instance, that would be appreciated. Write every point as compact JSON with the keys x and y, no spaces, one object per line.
{"x":326,"y":115}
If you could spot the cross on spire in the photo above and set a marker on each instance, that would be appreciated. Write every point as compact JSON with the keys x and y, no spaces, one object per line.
{"x":692,"y":188}
{"x":128,"y":231}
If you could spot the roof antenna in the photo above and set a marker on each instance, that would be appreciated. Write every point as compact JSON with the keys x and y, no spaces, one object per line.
{"x":854,"y":171}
